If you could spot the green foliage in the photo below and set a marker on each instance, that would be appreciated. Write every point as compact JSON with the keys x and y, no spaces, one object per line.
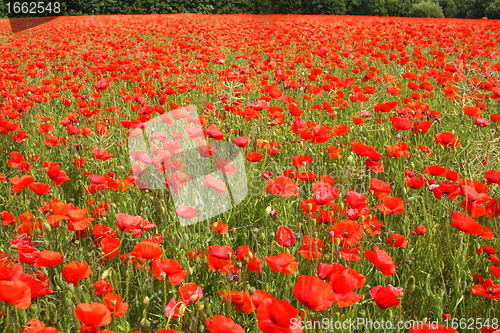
{"x":493,"y":10}
{"x":450,"y":8}
{"x":368,"y":7}
{"x":325,"y":7}
{"x":3,"y":10}
{"x":426,"y":9}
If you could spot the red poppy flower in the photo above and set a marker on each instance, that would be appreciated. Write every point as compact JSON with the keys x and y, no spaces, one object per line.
{"x":219,"y":227}
{"x":447,"y":139}
{"x":169,"y":268}
{"x":75,"y":271}
{"x":102,"y":288}
{"x":347,"y":231}
{"x":420,"y":230}
{"x":468,"y":225}
{"x":249,"y":258}
{"x":222,"y":324}
{"x":365,"y":150}
{"x":313,"y":292}
{"x":492,"y":176}
{"x":220,"y":258}
{"x":386,"y":297}
{"x":147,"y":250}
{"x":36,"y":326}
{"x":115,"y":305}
{"x":285,"y":236}
{"x":301,"y":160}
{"x":240,"y":299}
{"x":241,"y":141}
{"x":381,"y":260}
{"x":190,"y":293}
{"x":48,"y":258}
{"x":110,"y":247}
{"x":391,"y":205}
{"x":312,"y":249}
{"x":277,"y":316}
{"x":77,"y":219}
{"x":284,"y":186}
{"x":102,"y":154}
{"x":283,"y":262}
{"x":379,"y":186}
{"x":172,"y":309}
{"x":397,"y":240}
{"x":93,"y":315}
{"x":254,"y":157}
{"x":133,"y":224}
{"x":20,"y":183}
{"x":372,"y":225}
{"x":325,"y":194}
{"x":259,"y":296}
{"x":343,"y":281}
{"x":17,"y":293}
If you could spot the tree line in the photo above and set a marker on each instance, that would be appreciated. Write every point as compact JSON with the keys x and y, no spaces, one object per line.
{"x":420,"y":8}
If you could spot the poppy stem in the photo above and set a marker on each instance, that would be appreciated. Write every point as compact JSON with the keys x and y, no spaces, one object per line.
{"x":7,"y":316}
{"x":165,"y":291}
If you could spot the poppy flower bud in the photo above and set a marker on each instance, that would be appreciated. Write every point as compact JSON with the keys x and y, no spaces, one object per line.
{"x":350,"y":159}
{"x":412,"y":286}
{"x":201,"y":307}
{"x":105,"y":274}
{"x":69,"y":303}
{"x":46,"y":227}
{"x":193,"y":298}
{"x":145,"y":301}
{"x":268,"y":210}
{"x":144,"y":322}
{"x":182,"y":309}
{"x":190,"y":270}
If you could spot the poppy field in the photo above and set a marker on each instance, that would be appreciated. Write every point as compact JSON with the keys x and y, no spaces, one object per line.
{"x":370,"y":148}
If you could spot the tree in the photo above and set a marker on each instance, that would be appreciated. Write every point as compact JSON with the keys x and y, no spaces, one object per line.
{"x":324,"y":7}
{"x":493,"y":10}
{"x":368,"y":7}
{"x":426,"y":9}
{"x":450,"y":8}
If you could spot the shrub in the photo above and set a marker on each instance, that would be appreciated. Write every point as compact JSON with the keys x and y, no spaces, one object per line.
{"x":426,"y":9}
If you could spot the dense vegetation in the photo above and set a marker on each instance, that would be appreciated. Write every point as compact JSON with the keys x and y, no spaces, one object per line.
{"x":450,"y":8}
